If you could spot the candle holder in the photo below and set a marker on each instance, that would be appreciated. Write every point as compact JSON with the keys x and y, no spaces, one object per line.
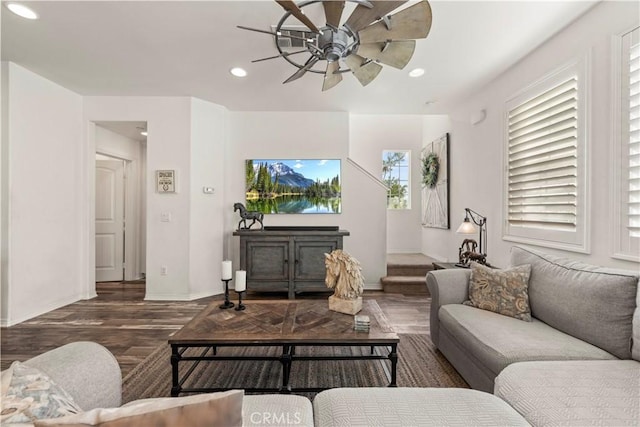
{"x":227,"y":303}
{"x":240,"y":305}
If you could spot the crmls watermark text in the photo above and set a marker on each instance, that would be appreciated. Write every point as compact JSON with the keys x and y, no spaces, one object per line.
{"x":273,"y":418}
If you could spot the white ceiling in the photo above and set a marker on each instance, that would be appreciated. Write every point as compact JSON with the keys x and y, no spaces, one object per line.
{"x":130,"y":130}
{"x":186,"y":48}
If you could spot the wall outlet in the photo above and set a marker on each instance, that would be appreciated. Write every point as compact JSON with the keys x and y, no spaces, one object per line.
{"x":163,"y":270}
{"x":165,"y":217}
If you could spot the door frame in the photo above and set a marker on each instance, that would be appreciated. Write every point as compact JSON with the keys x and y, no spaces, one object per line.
{"x":87,"y":243}
{"x":133,"y":209}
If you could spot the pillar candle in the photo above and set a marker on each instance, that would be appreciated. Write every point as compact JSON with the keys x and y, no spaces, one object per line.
{"x":241,"y":281}
{"x":226,"y":270}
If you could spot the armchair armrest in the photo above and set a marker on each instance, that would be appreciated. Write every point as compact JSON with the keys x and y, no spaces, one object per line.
{"x":449,"y":286}
{"x":85,"y":370}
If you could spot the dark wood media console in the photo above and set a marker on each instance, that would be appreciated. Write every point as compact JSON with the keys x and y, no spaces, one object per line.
{"x":287,"y":259}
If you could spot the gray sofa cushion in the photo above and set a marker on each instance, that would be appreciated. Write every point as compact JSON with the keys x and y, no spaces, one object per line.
{"x":86,"y":370}
{"x":575,"y":393}
{"x":412,"y":407}
{"x":497,"y":341}
{"x":276,"y":409}
{"x":588,"y":302}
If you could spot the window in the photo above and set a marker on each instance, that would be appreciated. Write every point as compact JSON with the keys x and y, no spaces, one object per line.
{"x":395,"y":174}
{"x":627,"y":146}
{"x":545,"y":173}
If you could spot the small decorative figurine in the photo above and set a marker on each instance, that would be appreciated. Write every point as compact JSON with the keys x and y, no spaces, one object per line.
{"x":467,"y":253}
{"x":245,"y":215}
{"x":344,"y":274}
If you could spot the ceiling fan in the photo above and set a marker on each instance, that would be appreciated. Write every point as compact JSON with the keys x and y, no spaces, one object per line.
{"x":368,"y":38}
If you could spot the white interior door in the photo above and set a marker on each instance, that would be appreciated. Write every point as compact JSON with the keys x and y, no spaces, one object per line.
{"x":109,"y":220}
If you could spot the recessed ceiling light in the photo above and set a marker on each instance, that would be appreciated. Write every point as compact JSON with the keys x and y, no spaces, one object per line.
{"x":22,"y":11}
{"x":238,"y":72}
{"x":143,"y":133}
{"x":416,"y":72}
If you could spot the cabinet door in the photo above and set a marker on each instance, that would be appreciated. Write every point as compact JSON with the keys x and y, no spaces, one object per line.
{"x":309,"y":254}
{"x":267,"y":260}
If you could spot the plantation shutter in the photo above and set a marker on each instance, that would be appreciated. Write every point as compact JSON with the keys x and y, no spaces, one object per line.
{"x":633,"y":211}
{"x":542,"y":159}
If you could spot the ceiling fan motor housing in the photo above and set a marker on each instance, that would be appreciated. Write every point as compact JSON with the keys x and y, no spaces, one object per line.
{"x":333,"y":43}
{"x":364,"y":41}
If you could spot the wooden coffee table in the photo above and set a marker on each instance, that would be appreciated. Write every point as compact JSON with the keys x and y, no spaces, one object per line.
{"x":284,"y":324}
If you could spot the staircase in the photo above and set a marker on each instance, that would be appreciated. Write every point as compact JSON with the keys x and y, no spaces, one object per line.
{"x":406,"y":273}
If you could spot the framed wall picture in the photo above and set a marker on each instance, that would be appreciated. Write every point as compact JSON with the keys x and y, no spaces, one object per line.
{"x":435,"y":183}
{"x":166,"y":181}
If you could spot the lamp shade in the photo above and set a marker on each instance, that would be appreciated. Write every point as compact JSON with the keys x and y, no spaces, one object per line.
{"x":466,"y":227}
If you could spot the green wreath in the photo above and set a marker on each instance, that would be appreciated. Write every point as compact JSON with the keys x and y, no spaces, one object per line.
{"x":430,"y":169}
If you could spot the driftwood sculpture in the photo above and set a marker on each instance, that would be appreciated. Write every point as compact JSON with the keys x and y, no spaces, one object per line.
{"x":245,"y":215}
{"x":344,"y":276}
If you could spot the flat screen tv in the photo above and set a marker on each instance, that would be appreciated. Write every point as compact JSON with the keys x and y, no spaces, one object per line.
{"x":279,"y":186}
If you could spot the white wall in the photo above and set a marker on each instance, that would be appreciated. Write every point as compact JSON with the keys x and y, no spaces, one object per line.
{"x":169,"y":126}
{"x":43,"y":229}
{"x":170,"y":123}
{"x":434,"y":241}
{"x":476,"y":151}
{"x":208,"y":138}
{"x":4,"y":191}
{"x":116,"y":145}
{"x":4,"y":137}
{"x":311,"y":135}
{"x":369,"y":135}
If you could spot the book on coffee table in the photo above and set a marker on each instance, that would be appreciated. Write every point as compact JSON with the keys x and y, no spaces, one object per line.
{"x":362,"y":323}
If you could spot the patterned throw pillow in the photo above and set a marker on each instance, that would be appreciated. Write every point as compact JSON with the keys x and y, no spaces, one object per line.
{"x":501,"y":291}
{"x":32,"y":395}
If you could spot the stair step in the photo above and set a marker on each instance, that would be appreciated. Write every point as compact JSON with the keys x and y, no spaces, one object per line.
{"x":409,"y":264}
{"x":408,"y":270}
{"x":405,"y":284}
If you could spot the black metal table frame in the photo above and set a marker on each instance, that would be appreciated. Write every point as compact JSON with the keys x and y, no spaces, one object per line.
{"x":287,"y":357}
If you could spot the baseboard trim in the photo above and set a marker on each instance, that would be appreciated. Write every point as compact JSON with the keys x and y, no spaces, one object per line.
{"x":8,"y":321}
{"x":177,"y":297}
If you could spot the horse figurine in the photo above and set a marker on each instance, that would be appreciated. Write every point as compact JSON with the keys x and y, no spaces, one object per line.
{"x":344,"y":275}
{"x":467,"y":253}
{"x":245,"y":215}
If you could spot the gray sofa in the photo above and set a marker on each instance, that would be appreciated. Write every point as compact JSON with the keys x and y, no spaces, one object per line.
{"x":91,"y":375}
{"x":582,"y":345}
{"x":576,"y":363}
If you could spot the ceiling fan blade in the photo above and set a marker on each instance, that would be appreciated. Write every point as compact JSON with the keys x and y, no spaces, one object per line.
{"x":282,"y":55}
{"x":363,"y":16}
{"x":331,"y":78}
{"x":271,"y":33}
{"x":411,"y":23}
{"x":301,"y":72}
{"x":364,"y":72}
{"x":333,"y":12}
{"x":395,"y":54}
{"x":292,"y":7}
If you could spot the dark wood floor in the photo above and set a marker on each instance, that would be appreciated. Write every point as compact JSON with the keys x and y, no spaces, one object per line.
{"x":132,"y":328}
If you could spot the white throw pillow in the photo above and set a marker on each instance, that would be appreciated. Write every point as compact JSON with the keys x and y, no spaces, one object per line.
{"x":211,"y":410}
